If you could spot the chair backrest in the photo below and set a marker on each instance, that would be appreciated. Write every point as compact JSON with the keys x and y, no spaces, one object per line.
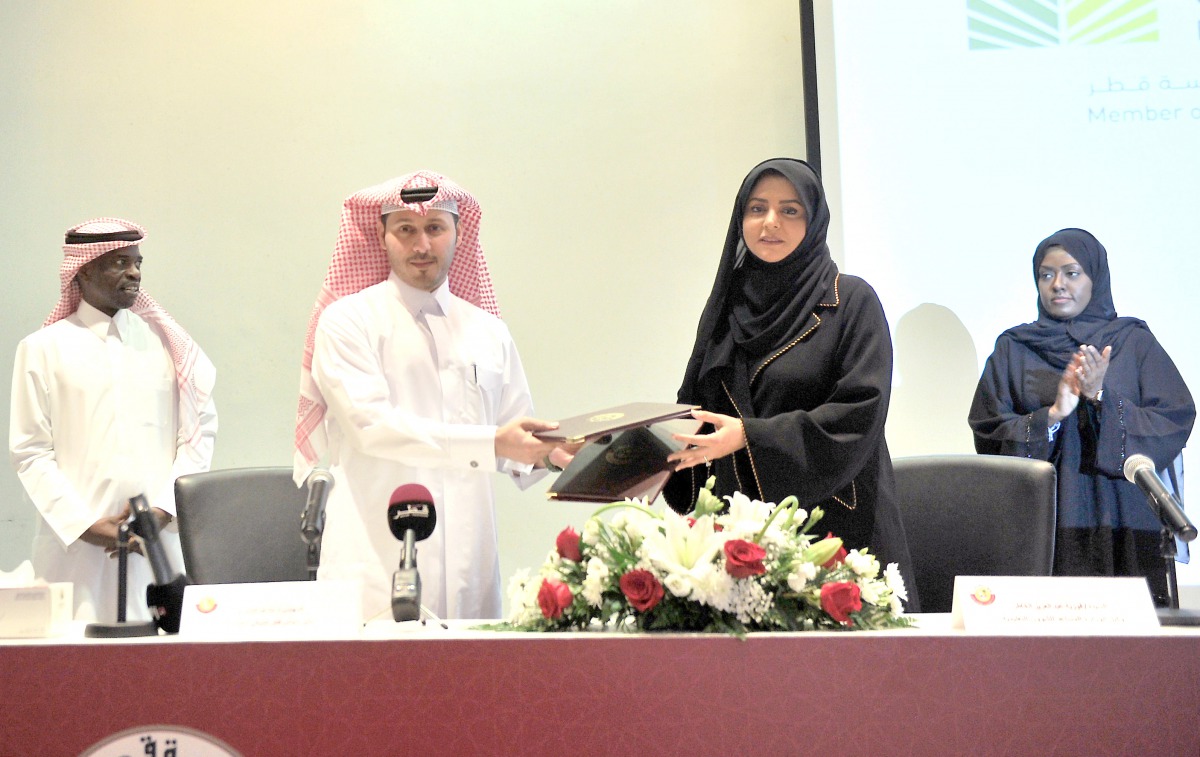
{"x":980,"y":515}
{"x":241,"y":525}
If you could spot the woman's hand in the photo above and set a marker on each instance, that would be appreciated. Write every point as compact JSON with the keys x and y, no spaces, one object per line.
{"x":728,"y":436}
{"x":1068,"y":392}
{"x":1092,"y":365}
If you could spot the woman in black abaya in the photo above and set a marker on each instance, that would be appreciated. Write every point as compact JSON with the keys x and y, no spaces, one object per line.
{"x":793,"y":366}
{"x":1085,"y":389}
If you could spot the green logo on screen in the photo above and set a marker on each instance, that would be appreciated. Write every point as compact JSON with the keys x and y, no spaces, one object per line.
{"x":1008,"y":24}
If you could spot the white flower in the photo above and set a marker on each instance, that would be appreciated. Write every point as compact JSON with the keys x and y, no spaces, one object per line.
{"x":591,"y":532}
{"x":679,"y":547}
{"x":594,"y":581}
{"x":522,"y":599}
{"x":745,"y":516}
{"x":677,"y":584}
{"x":684,"y":554}
{"x":712,"y":588}
{"x":862,"y":563}
{"x":871,"y":592}
{"x":748,"y":600}
{"x":801,"y":575}
{"x":799,"y":517}
{"x":634,"y":523}
{"x":895,"y":582}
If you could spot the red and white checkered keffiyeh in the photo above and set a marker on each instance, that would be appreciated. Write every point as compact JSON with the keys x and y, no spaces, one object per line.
{"x":360,"y":260}
{"x":194,"y":372}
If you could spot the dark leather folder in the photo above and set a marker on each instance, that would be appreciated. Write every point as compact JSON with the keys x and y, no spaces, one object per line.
{"x":623,"y":464}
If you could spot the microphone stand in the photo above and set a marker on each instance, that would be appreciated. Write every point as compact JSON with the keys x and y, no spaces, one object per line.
{"x":122,"y":629}
{"x":313,"y":558}
{"x":1171,"y":615}
{"x":427,"y":613}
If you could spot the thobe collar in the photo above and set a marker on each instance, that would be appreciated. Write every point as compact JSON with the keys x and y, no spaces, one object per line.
{"x":418,"y":301}
{"x":100,"y":324}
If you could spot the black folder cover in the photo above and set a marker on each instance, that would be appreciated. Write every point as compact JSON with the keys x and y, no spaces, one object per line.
{"x":626,"y":464}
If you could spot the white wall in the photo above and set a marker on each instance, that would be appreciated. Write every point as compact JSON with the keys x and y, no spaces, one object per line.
{"x":605,"y":142}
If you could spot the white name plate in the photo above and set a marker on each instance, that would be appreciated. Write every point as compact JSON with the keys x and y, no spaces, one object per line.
{"x":272,"y":611}
{"x":1058,"y":605}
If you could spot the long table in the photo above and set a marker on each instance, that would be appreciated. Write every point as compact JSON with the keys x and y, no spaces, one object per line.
{"x":460,"y":692}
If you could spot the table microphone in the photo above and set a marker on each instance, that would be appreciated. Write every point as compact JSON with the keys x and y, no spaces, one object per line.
{"x":1139,"y":469}
{"x":164,"y":597}
{"x":312,"y":522}
{"x":412,"y":517}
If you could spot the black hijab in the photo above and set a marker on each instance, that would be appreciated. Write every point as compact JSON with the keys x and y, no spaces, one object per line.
{"x":757,"y":307}
{"x":1098,"y":325}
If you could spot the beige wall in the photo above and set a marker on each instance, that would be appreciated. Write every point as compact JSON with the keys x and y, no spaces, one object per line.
{"x":605,"y":141}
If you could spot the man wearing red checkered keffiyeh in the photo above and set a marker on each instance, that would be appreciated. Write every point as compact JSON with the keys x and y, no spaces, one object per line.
{"x":409,"y":376}
{"x":111,"y":398}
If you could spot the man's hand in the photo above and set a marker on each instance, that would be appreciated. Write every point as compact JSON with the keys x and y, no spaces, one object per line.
{"x":515,"y":440}
{"x":103,"y":533}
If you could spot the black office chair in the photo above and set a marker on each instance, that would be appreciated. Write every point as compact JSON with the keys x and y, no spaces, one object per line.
{"x":241,"y":525}
{"x":975,"y":515}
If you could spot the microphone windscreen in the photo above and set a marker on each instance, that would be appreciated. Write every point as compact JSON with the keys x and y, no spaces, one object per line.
{"x":411,"y":508}
{"x":411,"y":493}
{"x":318,"y":476}
{"x":1135,"y":463}
{"x":166,"y":603}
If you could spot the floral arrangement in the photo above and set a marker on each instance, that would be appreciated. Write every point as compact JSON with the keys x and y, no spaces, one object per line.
{"x":751,"y":566}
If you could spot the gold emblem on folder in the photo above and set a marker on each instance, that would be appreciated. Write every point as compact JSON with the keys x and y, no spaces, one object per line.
{"x":604,"y":417}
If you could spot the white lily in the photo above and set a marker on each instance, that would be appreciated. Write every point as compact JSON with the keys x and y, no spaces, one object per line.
{"x":745,"y":516}
{"x":684,"y":552}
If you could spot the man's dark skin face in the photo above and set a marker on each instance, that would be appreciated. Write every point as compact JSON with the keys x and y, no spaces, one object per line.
{"x":112,"y":281}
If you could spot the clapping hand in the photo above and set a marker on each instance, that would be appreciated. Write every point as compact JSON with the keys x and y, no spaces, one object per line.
{"x":1090,"y":366}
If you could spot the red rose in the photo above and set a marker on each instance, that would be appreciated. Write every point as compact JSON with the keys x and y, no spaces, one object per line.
{"x":642,"y":589}
{"x":568,"y":545}
{"x":744,"y":558}
{"x":553,"y":598}
{"x":839,"y":557}
{"x":840,"y":599}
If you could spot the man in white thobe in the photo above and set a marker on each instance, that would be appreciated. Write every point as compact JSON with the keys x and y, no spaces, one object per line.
{"x":110,"y":399}
{"x":411,"y":377}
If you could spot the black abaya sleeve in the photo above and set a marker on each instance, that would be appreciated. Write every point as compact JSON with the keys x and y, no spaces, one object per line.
{"x":998,"y":415}
{"x":1146,"y":408}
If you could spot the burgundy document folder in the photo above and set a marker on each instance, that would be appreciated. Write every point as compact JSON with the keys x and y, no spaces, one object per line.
{"x":628,"y":463}
{"x":594,"y":425}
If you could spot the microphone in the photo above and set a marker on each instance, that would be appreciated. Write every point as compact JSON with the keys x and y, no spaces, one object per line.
{"x":164,"y":597}
{"x":411,"y":517}
{"x":1139,"y":469}
{"x":312,"y":522}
